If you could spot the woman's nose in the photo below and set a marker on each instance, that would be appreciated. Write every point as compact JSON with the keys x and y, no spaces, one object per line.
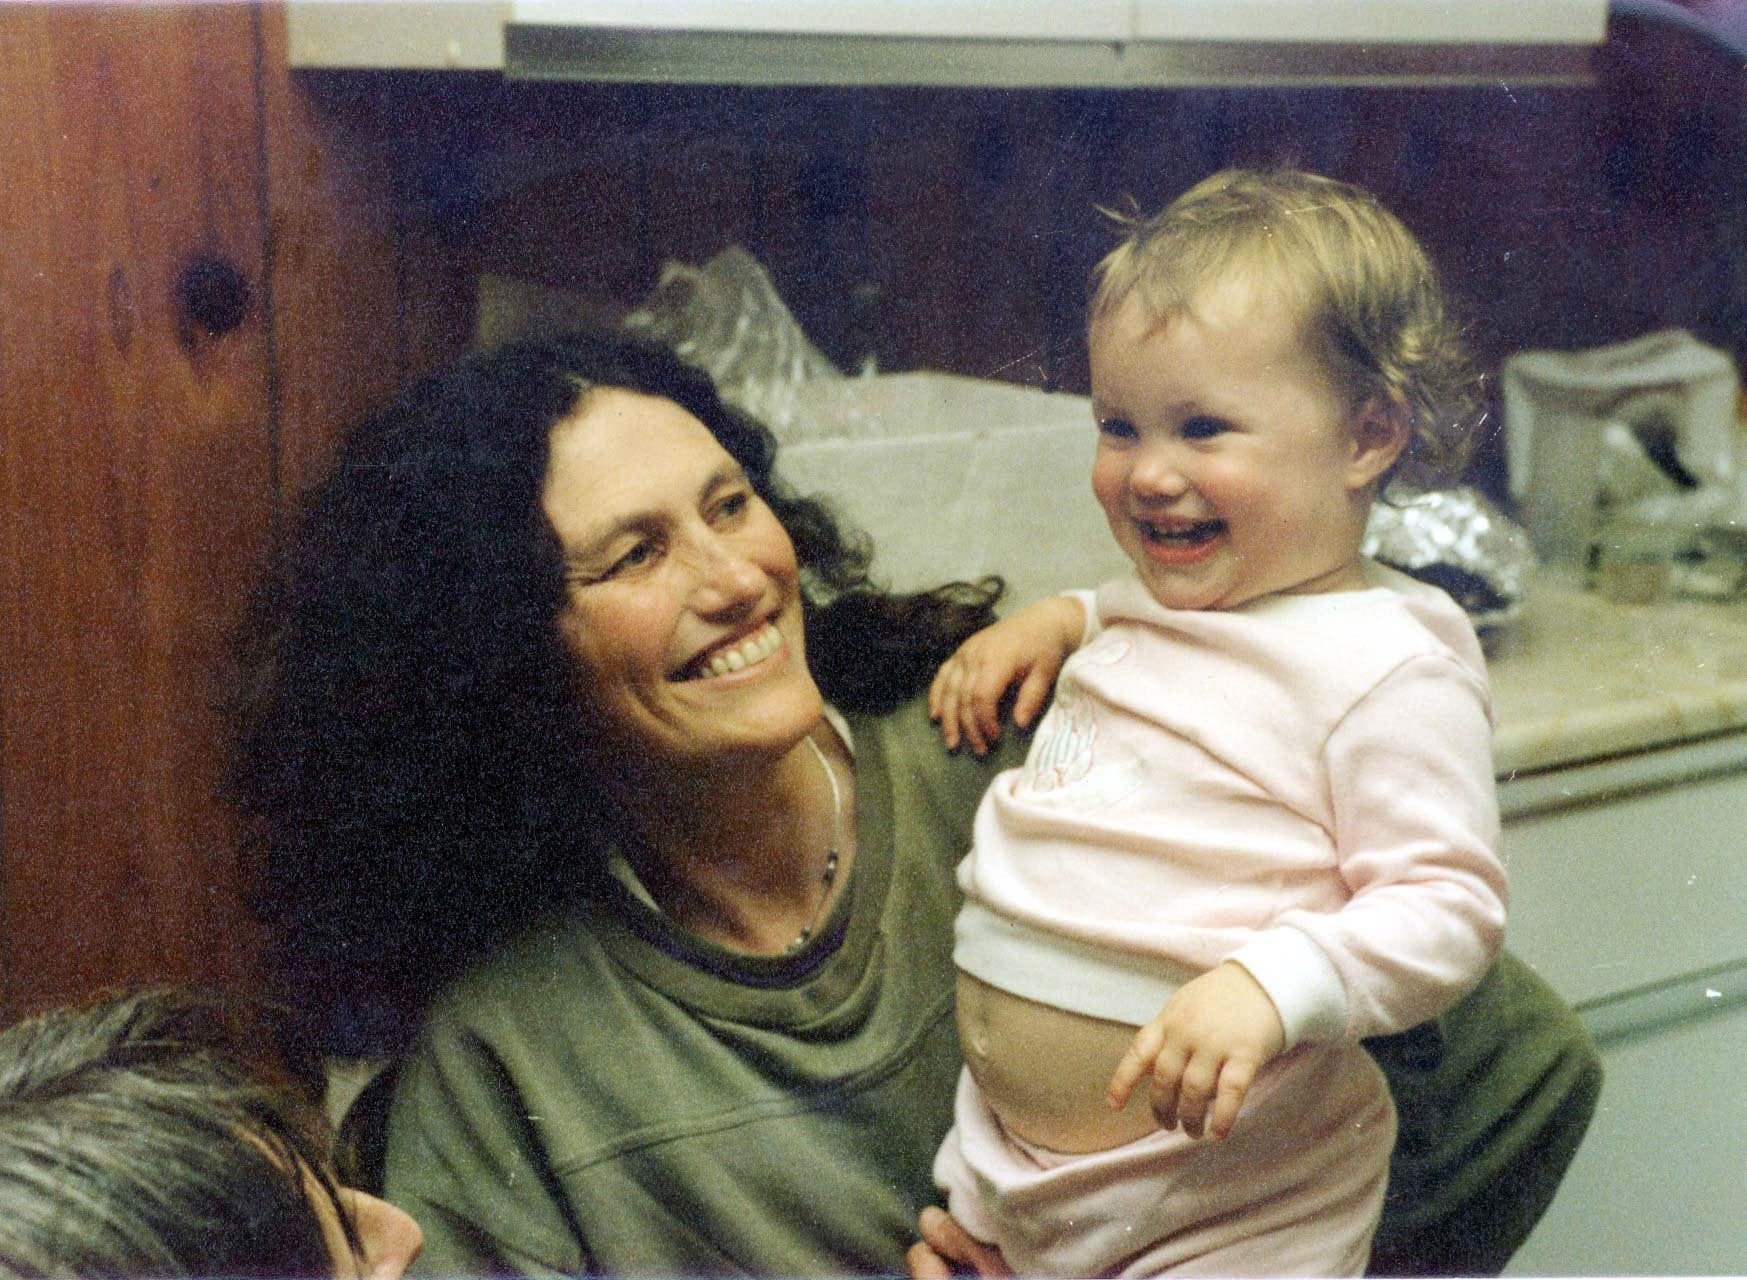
{"x":727,"y":578}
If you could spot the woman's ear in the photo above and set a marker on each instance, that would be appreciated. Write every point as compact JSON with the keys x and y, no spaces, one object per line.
{"x":1380,"y":431}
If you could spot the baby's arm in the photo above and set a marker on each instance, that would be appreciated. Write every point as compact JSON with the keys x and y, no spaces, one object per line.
{"x":1203,"y":1051}
{"x":1409,"y":772}
{"x":1028,"y":647}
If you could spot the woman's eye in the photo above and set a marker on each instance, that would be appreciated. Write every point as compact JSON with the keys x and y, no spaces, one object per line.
{"x":1116,"y":428}
{"x":637,"y":555}
{"x":1203,"y":428}
{"x":733,"y":504}
{"x":635,"y":558}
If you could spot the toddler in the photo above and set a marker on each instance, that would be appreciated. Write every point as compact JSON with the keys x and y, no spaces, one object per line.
{"x":1258,"y":822}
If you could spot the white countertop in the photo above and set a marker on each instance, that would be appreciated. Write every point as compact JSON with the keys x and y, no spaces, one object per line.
{"x":1577,"y":678}
{"x":957,"y":477}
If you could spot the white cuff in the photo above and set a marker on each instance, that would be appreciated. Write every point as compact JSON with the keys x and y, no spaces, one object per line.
{"x":1302,"y":982}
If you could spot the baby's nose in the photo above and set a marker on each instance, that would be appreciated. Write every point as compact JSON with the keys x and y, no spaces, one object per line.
{"x":1155,"y":474}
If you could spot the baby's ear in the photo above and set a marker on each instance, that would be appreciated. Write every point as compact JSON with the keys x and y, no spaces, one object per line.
{"x":1380,"y":431}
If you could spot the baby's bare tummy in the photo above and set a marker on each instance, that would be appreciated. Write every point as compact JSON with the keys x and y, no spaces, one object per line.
{"x":1045,"y":1071}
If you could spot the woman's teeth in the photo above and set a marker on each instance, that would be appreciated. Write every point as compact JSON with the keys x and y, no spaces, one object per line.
{"x":755,"y":648}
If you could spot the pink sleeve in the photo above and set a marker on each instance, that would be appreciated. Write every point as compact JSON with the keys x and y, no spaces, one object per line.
{"x":1416,"y":831}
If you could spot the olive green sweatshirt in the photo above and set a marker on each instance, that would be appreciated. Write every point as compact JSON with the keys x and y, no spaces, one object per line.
{"x":609,"y":1094}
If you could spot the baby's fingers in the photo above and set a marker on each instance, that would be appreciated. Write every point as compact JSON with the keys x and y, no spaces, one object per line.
{"x":944,"y":702}
{"x":1192,"y":1095}
{"x":947,"y":704}
{"x":940,"y":689}
{"x":974,"y":727}
{"x":962,"y":700}
{"x":937,"y":690}
{"x":1234,"y":1083}
{"x":1033,"y":694}
{"x":1137,"y":1063}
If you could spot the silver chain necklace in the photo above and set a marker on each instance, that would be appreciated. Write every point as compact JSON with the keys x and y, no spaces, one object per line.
{"x":829,"y":877}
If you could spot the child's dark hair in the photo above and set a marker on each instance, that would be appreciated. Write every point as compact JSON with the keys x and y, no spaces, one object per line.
{"x":135,"y":1140}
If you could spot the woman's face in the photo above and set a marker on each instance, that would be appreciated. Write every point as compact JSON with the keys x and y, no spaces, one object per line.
{"x":683,"y":609}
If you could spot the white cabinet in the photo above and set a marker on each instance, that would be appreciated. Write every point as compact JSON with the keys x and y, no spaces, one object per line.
{"x":1374,"y":21}
{"x":1660,"y":1185}
{"x":1013,"y":44}
{"x":1633,"y":904}
{"x":1259,"y":21}
{"x":974,"y":19}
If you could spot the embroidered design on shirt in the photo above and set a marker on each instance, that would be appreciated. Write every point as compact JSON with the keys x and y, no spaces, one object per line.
{"x":1064,"y":767}
{"x":1061,"y":754}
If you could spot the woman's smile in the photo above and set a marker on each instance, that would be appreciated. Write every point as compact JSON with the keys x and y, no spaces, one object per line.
{"x":734,"y":655}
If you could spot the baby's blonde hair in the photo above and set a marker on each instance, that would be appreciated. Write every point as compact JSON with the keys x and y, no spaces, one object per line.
{"x":1368,"y":300}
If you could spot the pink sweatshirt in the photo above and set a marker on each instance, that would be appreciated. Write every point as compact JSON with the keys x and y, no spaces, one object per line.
{"x":1303,"y":785}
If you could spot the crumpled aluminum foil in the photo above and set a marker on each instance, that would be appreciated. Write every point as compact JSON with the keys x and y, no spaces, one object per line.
{"x":1459,"y":540}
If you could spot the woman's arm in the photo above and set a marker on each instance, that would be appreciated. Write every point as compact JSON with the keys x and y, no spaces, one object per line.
{"x":458,"y":1138}
{"x":1493,"y":1099}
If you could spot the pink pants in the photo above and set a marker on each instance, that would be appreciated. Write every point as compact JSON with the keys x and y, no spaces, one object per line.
{"x":1294,"y":1190}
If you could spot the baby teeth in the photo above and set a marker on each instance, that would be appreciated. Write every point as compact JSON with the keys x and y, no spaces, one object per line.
{"x":1186,"y":533}
{"x":754,"y":649}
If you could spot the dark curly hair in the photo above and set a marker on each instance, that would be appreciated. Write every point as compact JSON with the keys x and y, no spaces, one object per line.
{"x":408,"y":760}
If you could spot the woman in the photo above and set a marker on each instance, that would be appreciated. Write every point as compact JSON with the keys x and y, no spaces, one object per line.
{"x":540,"y":717}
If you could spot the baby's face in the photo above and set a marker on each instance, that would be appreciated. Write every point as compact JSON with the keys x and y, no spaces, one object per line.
{"x":1228,"y":464}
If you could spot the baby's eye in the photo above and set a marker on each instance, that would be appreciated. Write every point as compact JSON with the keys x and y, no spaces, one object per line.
{"x":1203,"y":428}
{"x":1116,"y":428}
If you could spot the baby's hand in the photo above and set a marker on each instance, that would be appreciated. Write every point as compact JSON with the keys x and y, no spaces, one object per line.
{"x":1029,"y":647}
{"x":1203,"y":1051}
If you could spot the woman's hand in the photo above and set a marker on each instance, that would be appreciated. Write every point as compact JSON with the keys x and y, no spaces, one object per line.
{"x":947,"y":1249}
{"x":1203,"y":1051}
{"x":1027,"y":647}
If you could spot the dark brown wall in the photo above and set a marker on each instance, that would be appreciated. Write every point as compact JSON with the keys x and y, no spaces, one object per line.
{"x":129,"y":448}
{"x":954,"y":229}
{"x":142,"y":456}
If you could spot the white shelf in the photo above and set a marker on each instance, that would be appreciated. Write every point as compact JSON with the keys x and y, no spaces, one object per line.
{"x":1469,"y":22}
